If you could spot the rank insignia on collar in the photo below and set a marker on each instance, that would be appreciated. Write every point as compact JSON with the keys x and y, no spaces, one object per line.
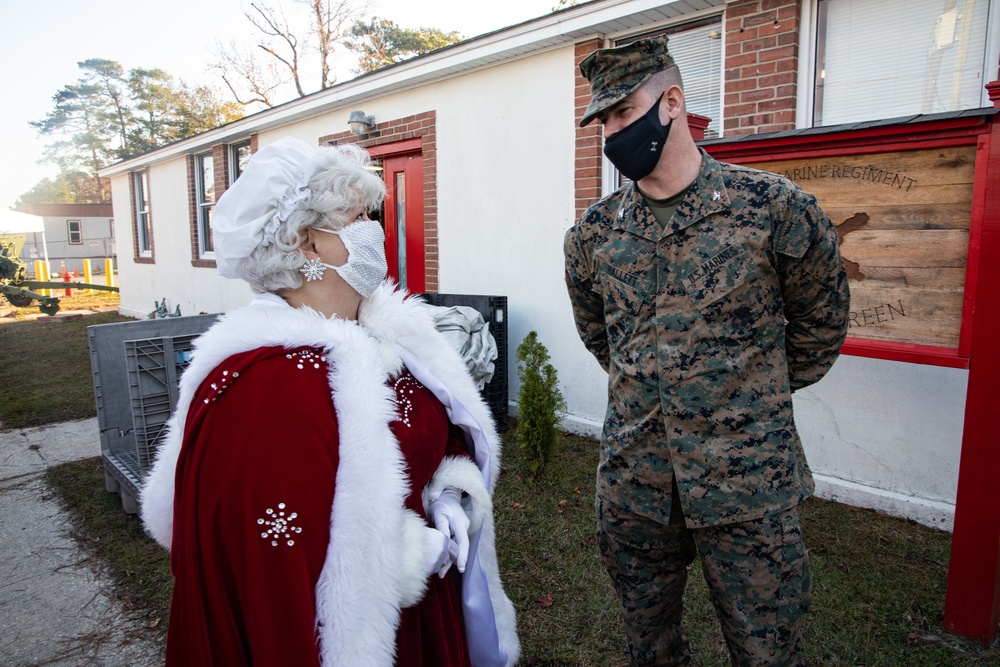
{"x":715,"y":195}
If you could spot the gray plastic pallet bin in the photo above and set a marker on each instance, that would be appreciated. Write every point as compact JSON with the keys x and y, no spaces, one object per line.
{"x":136,"y":367}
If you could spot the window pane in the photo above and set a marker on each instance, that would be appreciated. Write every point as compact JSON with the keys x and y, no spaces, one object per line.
{"x":239,"y":155}
{"x":144,"y":244}
{"x":887,"y":58}
{"x":207,"y":175}
{"x":698,"y":54}
{"x":208,"y":243}
{"x":206,"y":201}
{"x":140,"y":191}
{"x":142,"y":212}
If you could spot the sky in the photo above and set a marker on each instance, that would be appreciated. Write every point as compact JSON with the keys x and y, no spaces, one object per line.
{"x":41,"y":42}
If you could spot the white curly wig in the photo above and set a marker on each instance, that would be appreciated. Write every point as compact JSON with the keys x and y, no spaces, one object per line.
{"x":341,"y":181}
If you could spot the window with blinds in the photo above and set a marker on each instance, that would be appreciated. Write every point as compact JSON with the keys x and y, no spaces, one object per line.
{"x":880,"y":59}
{"x":697,"y":49}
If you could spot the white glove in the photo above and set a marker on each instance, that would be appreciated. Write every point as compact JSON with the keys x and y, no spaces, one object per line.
{"x":450,"y":518}
{"x":439,"y":552}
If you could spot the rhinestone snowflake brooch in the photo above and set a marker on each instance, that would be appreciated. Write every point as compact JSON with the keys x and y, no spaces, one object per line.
{"x":278,"y":526}
{"x":313,"y":269}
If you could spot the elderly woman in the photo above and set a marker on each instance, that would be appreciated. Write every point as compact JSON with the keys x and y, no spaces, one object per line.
{"x":325,"y":487}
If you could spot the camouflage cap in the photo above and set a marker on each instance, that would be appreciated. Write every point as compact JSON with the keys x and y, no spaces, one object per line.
{"x":617,"y":72}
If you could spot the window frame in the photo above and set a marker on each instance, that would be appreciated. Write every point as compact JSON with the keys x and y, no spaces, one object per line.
{"x":234,"y":162}
{"x":79,"y":232}
{"x":808,"y":61}
{"x":144,"y":231}
{"x":688,"y":22}
{"x":611,"y":180}
{"x":204,"y":206}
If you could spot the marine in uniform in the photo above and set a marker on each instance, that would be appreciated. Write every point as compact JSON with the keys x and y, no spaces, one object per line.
{"x":709,"y":292}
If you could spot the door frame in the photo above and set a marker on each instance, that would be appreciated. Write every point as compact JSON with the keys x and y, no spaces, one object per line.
{"x":415,"y":280}
{"x":396,"y":134}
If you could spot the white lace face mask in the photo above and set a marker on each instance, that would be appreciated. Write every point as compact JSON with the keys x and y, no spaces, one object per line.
{"x":366,"y":265}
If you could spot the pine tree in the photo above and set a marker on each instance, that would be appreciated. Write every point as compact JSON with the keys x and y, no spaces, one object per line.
{"x":539,"y":401}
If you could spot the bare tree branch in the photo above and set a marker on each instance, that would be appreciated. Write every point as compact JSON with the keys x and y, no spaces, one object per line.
{"x":332,"y":23}
{"x":296,"y":46}
{"x":274,"y":24}
{"x":250,"y":82}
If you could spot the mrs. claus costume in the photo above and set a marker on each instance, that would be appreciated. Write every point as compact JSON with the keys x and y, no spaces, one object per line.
{"x":292,"y":491}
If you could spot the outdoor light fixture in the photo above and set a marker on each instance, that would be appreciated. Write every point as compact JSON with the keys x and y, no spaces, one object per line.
{"x":360,"y":123}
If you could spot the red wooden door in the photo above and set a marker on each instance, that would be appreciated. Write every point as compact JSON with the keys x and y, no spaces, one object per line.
{"x":404,"y":220}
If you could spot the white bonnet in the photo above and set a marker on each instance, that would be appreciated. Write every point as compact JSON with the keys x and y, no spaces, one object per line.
{"x":274,"y":182}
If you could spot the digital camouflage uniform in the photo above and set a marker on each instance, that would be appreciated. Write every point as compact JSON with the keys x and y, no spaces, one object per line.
{"x":705,"y":328}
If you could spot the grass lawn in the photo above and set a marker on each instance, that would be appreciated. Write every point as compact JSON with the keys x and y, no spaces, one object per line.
{"x":879,"y":582}
{"x":45,"y":375}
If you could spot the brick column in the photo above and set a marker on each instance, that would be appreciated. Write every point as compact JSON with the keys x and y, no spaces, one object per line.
{"x":588,"y":155}
{"x":762,"y":57}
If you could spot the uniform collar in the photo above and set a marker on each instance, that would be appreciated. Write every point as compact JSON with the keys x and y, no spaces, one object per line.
{"x":706,"y":196}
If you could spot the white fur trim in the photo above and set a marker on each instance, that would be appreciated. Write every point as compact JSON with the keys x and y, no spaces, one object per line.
{"x":461,"y":473}
{"x":360,"y":587}
{"x":360,"y":581}
{"x":413,"y":577}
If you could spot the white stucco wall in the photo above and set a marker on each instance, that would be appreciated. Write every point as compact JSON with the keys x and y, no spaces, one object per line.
{"x":877,"y":434}
{"x":886,"y":435}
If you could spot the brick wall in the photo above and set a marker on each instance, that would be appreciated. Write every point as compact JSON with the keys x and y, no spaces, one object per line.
{"x":421,"y":126}
{"x":761,"y":60}
{"x":589,"y":145}
{"x":220,"y":162}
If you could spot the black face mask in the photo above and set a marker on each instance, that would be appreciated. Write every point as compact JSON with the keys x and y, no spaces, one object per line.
{"x":636,"y":149}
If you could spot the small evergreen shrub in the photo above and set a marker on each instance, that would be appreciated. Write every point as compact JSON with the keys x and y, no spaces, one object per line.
{"x":539,"y":401}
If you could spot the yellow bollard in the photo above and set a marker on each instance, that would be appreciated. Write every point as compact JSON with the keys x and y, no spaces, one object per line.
{"x":88,"y":276}
{"x":109,"y":272}
{"x":38,"y":270}
{"x":46,"y":278}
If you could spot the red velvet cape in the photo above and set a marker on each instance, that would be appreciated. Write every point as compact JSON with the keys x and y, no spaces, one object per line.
{"x":255,"y":483}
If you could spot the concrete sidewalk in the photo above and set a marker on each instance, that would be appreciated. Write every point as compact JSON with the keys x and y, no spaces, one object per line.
{"x":56,"y":608}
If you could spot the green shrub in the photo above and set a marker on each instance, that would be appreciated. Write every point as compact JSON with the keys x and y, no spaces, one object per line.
{"x":539,"y":402}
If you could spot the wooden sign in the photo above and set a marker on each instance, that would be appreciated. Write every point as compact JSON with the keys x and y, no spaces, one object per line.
{"x":903,"y":221}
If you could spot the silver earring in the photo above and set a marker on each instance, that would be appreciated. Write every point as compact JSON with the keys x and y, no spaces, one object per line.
{"x":313,"y":269}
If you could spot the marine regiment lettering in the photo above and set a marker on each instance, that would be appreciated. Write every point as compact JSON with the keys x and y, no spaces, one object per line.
{"x":855,"y":171}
